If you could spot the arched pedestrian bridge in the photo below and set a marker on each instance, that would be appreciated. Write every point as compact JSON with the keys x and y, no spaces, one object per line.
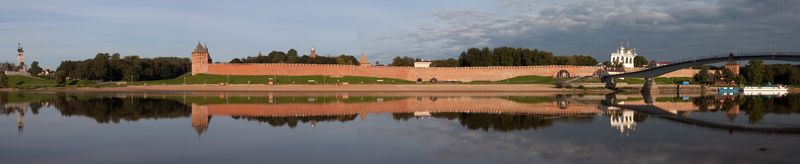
{"x":649,"y":74}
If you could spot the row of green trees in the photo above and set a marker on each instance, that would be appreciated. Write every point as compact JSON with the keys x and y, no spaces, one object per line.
{"x":757,"y":73}
{"x":105,"y":67}
{"x":509,"y":56}
{"x":34,"y":69}
{"x":754,"y":73}
{"x":292,"y":57}
{"x":502,"y":56}
{"x":704,"y":76}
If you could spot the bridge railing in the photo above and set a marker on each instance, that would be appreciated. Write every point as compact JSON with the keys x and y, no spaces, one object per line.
{"x":735,"y":54}
{"x":717,"y":56}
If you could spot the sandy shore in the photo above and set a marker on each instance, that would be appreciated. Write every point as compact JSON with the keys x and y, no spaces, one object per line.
{"x":333,"y":88}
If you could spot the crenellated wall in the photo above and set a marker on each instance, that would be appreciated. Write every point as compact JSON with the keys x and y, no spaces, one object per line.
{"x":464,"y":74}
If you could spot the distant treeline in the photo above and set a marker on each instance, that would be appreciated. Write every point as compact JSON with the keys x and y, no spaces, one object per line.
{"x":292,"y":57}
{"x":502,"y":56}
{"x":105,"y":67}
{"x":754,"y":73}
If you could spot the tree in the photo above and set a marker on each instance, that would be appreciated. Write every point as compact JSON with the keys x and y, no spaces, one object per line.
{"x":291,"y":56}
{"x":702,"y":77}
{"x":639,"y":61}
{"x":402,"y":61}
{"x":3,"y":79}
{"x":99,"y":67}
{"x":346,"y":60}
{"x":130,"y":68}
{"x":755,"y":72}
{"x":445,"y":63}
{"x":132,"y":71}
{"x":61,"y":78}
{"x":35,"y":69}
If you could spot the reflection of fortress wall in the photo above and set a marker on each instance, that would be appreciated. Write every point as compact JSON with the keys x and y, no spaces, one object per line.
{"x":670,"y":106}
{"x":406,"y":73}
{"x":461,"y":104}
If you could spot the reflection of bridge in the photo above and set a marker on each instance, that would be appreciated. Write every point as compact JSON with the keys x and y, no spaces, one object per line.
{"x":649,"y":74}
{"x":668,"y":113}
{"x":201,"y":113}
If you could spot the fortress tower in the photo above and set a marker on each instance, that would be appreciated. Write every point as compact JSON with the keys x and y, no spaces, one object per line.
{"x":362,"y":61}
{"x":21,"y":57}
{"x":200,"y":59}
{"x":732,"y":65}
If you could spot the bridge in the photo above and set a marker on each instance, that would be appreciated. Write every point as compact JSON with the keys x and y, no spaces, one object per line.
{"x":649,"y":74}
{"x":662,"y":113}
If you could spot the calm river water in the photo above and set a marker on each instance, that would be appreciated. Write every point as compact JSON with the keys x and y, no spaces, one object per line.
{"x":397,"y":128}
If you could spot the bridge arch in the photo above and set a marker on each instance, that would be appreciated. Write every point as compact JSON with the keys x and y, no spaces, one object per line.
{"x":563,"y":74}
{"x":694,"y":62}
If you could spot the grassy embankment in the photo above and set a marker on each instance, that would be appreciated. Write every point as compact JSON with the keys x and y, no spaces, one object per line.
{"x":15,"y":81}
{"x":520,"y":80}
{"x":216,"y":79}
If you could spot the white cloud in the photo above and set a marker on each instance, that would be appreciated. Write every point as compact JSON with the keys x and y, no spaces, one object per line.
{"x":658,"y":28}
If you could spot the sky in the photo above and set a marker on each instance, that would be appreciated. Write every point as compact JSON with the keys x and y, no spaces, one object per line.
{"x":53,"y":31}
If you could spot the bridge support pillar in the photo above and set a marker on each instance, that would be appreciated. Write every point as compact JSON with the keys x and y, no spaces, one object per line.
{"x":610,"y":84}
{"x":649,"y":86}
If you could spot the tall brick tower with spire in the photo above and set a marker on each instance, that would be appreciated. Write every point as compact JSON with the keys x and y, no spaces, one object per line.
{"x":200,"y":59}
{"x":362,"y":61}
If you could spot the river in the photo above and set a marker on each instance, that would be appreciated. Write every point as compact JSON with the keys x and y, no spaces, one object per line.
{"x":397,"y":127}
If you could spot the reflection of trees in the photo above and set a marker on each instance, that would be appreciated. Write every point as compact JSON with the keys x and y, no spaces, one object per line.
{"x":292,"y":121}
{"x":507,"y":122}
{"x":402,"y":116}
{"x":112,"y":109}
{"x":754,"y":106}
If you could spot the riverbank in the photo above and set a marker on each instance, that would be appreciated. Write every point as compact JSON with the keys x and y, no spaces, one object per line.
{"x":334,"y":88}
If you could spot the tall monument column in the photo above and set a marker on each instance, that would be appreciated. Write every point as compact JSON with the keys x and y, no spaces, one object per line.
{"x":21,"y":57}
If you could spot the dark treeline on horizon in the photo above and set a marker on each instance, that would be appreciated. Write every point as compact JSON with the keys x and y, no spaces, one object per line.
{"x":754,"y":73}
{"x":292,"y":57}
{"x":105,"y":67}
{"x":293,"y":121}
{"x":502,"y":56}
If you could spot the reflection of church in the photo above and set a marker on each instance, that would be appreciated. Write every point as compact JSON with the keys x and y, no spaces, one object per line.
{"x":622,"y":119}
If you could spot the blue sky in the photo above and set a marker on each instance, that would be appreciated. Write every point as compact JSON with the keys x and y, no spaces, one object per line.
{"x":52,"y":31}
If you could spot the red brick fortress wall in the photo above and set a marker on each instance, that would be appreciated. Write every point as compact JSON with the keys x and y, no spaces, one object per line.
{"x":464,"y":74}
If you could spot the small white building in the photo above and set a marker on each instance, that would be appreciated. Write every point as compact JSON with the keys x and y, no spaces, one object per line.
{"x":623,"y":56}
{"x":422,"y":64}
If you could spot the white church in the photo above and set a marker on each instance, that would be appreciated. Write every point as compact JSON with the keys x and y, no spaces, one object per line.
{"x":623,"y":56}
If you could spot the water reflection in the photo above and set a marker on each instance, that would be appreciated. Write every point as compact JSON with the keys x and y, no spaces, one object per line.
{"x":474,"y":112}
{"x":397,"y":127}
{"x":678,"y":109}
